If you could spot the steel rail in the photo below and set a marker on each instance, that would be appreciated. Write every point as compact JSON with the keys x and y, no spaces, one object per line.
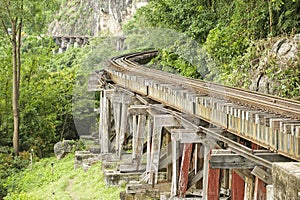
{"x":273,"y":104}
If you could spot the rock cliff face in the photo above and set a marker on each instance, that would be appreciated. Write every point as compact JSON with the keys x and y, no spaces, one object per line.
{"x":93,"y":17}
{"x":277,"y":70}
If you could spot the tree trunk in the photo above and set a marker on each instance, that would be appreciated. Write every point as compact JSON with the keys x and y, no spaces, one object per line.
{"x":270,"y":17}
{"x":15,"y":96}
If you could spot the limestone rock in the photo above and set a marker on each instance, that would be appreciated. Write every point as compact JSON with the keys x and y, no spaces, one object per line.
{"x":61,"y":149}
{"x":278,"y":56}
{"x":93,"y":17}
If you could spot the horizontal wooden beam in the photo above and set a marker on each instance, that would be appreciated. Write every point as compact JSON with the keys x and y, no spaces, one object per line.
{"x":230,"y":161}
{"x":187,"y":136}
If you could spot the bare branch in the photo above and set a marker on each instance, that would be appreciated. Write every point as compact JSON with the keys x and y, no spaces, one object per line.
{"x":5,"y":29}
{"x":8,"y":11}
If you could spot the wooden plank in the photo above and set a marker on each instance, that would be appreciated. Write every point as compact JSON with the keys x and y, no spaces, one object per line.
{"x":138,"y":109}
{"x":270,"y":192}
{"x":131,"y":168}
{"x":237,"y":186}
{"x":213,"y":184}
{"x":184,"y":170}
{"x":140,"y":140}
{"x":259,"y":189}
{"x":205,"y":171}
{"x":187,"y":136}
{"x":101,"y":120}
{"x":149,"y":137}
{"x":230,"y":161}
{"x":105,"y":124}
{"x":244,"y":173}
{"x":249,"y":188}
{"x":273,"y":157}
{"x":159,"y":121}
{"x":165,"y":121}
{"x":195,"y":178}
{"x":134,"y":136}
{"x":175,"y":146}
{"x":168,"y":159}
{"x":169,"y":155}
{"x":124,"y":124}
{"x":263,"y":175}
{"x":155,"y":152}
{"x":117,"y":118}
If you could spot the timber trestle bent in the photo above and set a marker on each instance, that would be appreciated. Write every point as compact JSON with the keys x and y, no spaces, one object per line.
{"x":173,"y":137}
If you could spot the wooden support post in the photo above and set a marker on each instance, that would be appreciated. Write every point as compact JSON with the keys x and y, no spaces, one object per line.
{"x":169,"y":153}
{"x":205,"y":172}
{"x":213,"y":184}
{"x":105,"y":123}
{"x":184,"y":170}
{"x":175,"y":148}
{"x":117,"y":106}
{"x":260,"y":191}
{"x":270,"y":192}
{"x":101,"y":120}
{"x":159,"y":121}
{"x":155,"y":152}
{"x":149,"y":136}
{"x":124,"y":123}
{"x":249,"y":186}
{"x":134,"y":136}
{"x":138,"y":137}
{"x":237,"y":186}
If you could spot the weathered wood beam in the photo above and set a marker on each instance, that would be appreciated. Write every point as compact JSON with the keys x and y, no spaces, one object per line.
{"x":262,"y":175}
{"x":206,"y":155}
{"x":187,"y":136}
{"x":230,"y":161}
{"x":131,"y":168}
{"x":244,"y":173}
{"x":167,"y":159}
{"x":138,"y":109}
{"x":159,"y":121}
{"x":175,"y":150}
{"x":184,"y":170}
{"x":273,"y":157}
{"x":195,"y":178}
{"x":124,"y":122}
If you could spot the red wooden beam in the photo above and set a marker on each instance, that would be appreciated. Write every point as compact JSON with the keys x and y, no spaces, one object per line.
{"x":184,"y":169}
{"x":237,"y":187}
{"x":213,"y":184}
{"x":260,"y":190}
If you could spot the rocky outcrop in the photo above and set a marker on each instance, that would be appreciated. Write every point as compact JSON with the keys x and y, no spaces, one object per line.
{"x":276,"y":71}
{"x":93,"y":17}
{"x":61,"y":149}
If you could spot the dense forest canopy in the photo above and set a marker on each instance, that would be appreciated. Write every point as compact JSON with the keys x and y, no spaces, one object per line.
{"x":233,"y":34}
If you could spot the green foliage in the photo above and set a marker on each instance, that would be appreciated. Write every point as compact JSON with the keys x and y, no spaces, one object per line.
{"x":46,"y":95}
{"x":171,"y":62}
{"x":228,"y":30}
{"x":10,"y":165}
{"x":286,"y":17}
{"x":57,"y":179}
{"x":46,"y":91}
{"x":193,"y":17}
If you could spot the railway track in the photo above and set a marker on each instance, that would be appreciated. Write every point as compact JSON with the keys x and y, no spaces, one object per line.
{"x":230,"y":128}
{"x":264,"y":102}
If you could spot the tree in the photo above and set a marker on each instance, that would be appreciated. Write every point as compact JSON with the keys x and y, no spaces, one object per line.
{"x":14,"y":14}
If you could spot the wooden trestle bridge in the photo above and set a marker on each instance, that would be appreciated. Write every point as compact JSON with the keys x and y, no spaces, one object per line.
{"x":173,"y":137}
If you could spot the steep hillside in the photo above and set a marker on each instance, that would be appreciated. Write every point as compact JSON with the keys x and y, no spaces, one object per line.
{"x":93,"y":17}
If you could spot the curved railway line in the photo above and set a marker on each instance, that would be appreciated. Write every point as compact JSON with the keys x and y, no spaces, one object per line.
{"x":273,"y":104}
{"x":190,"y":130}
